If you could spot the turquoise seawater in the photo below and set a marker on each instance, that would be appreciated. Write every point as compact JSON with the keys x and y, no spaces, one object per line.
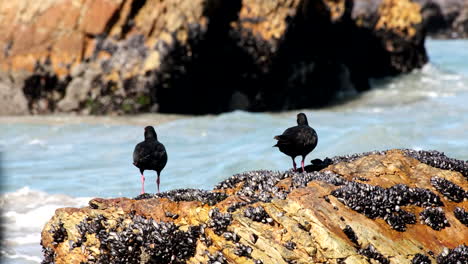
{"x":57,"y":161}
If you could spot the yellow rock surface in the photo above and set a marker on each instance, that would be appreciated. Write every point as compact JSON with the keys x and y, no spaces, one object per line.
{"x":305,"y":227}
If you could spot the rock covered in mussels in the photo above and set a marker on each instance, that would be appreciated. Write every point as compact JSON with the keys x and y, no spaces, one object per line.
{"x":351,"y":210}
{"x":178,"y":195}
{"x":456,"y":255}
{"x":134,"y":56}
{"x":461,"y":215}
{"x":434,"y":217}
{"x":449,"y":189}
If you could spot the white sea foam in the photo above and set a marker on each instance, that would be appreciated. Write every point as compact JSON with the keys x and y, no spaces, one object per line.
{"x":20,"y":257}
{"x":37,"y":141}
{"x":24,"y":214}
{"x":27,"y":239}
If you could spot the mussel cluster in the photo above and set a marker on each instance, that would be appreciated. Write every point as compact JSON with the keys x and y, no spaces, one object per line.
{"x":216,"y":258}
{"x":301,"y":180}
{"x":461,"y":215}
{"x":353,"y":157}
{"x":177,"y":195}
{"x":290,"y":245}
{"x":449,"y":189}
{"x":349,"y":232}
{"x":232,"y":208}
{"x":242,"y":250}
{"x":59,"y":233}
{"x":420,"y":259}
{"x":372,"y":253}
{"x":438,"y":159}
{"x":454,"y":256}
{"x":141,"y":239}
{"x":259,"y":185}
{"x":434,"y":217}
{"x":219,"y":221}
{"x":377,"y":202}
{"x":258,"y":214}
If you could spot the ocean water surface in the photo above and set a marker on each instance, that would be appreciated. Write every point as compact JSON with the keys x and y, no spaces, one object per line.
{"x":59,"y":161}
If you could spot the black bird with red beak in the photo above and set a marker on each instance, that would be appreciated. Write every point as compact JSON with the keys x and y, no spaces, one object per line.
{"x":150,"y":154}
{"x":299,"y":140}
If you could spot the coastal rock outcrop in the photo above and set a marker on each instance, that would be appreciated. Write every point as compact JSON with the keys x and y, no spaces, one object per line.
{"x":396,"y":206}
{"x":445,"y":18}
{"x":201,"y":56}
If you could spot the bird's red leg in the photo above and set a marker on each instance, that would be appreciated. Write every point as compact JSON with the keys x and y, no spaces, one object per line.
{"x":294,"y":165}
{"x":302,"y":164}
{"x":142,"y":183}
{"x":157,"y":182}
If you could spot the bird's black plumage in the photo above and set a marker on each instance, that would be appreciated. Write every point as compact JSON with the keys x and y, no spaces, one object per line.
{"x":299,"y":140}
{"x":150,"y":154}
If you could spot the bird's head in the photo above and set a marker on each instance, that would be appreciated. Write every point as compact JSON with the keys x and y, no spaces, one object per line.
{"x":150,"y":133}
{"x":302,"y":119}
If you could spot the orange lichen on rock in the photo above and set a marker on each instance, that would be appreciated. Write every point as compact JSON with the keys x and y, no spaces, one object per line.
{"x":55,"y":29}
{"x":266,"y":19}
{"x":337,"y":8}
{"x":399,"y":16}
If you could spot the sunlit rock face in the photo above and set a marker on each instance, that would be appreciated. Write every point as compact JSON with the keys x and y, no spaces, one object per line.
{"x":201,"y":56}
{"x":399,"y":206}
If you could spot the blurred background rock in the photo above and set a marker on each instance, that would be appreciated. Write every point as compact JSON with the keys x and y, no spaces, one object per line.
{"x":208,"y":56}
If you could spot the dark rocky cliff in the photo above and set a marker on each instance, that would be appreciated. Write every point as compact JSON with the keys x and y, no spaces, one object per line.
{"x":201,"y":56}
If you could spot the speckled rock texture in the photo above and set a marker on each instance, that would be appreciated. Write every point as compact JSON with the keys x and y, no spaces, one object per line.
{"x":376,"y":207}
{"x":198,"y":56}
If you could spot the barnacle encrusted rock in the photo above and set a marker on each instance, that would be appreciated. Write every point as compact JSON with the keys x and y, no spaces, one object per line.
{"x":386,"y":207}
{"x":134,"y":56}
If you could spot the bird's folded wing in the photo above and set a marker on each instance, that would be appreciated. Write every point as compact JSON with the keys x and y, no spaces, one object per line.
{"x":141,"y":154}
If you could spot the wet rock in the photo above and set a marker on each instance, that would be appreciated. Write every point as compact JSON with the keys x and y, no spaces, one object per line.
{"x":435,"y":218}
{"x":322,"y":216}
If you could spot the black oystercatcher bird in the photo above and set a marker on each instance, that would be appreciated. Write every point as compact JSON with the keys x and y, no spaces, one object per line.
{"x":149,"y":155}
{"x":299,"y":140}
